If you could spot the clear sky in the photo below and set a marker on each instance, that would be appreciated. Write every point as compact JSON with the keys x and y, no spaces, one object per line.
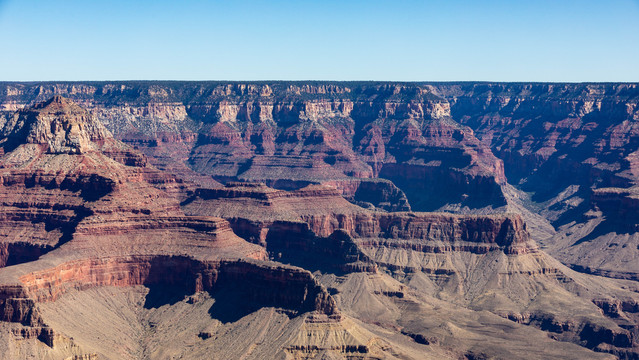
{"x":403,"y":40}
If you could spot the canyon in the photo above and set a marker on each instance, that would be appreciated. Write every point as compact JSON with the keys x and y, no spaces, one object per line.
{"x":319,"y":220}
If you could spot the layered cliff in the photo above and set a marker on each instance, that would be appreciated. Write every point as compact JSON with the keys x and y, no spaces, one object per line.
{"x":545,"y":133}
{"x":297,"y":289}
{"x":291,"y":135}
{"x":553,"y":136}
{"x":484,"y":262}
{"x":79,"y":215}
{"x":564,"y":143}
{"x":83,"y":213}
{"x":59,"y":167}
{"x":325,"y":212}
{"x":316,"y":220}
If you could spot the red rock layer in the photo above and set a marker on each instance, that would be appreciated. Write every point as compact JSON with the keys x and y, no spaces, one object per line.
{"x":279,"y":285}
{"x":554,"y":135}
{"x":61,"y":167}
{"x":324,"y":212}
{"x":107,"y":222}
{"x":282,"y":133}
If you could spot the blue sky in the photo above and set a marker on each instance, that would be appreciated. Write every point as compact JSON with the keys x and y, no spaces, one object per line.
{"x":399,"y":40}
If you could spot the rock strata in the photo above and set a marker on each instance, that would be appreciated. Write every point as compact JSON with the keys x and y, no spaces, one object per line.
{"x":220,"y":214}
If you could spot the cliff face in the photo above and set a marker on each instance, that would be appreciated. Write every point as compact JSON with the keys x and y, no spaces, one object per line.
{"x":551,"y":136}
{"x":68,"y":185}
{"x":325,"y":211}
{"x":290,"y":135}
{"x":60,"y":166}
{"x":82,"y":210}
{"x":257,"y":285}
{"x":544,"y":132}
{"x":271,"y":285}
{"x":293,"y":134}
{"x":326,"y":140}
{"x":566,"y":143}
{"x":484,"y":262}
{"x":296,"y":226}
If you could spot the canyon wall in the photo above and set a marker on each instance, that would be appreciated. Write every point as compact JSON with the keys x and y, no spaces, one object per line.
{"x":550,"y":136}
{"x":292,"y":134}
{"x":84,"y":213}
{"x":258,"y":284}
{"x":443,"y":146}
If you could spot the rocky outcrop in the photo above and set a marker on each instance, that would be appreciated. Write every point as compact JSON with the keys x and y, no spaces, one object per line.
{"x":44,"y":334}
{"x":58,"y":124}
{"x":16,"y":253}
{"x":477,"y":234}
{"x":16,"y":307}
{"x":272,"y":284}
{"x":372,"y":193}
{"x":61,"y":167}
{"x":619,"y":207}
{"x":257,"y":284}
{"x":325,"y":212}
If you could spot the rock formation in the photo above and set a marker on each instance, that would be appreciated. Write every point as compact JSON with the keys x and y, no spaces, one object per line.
{"x":290,"y":136}
{"x":73,"y":193}
{"x":293,"y":214}
{"x":483,"y":262}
